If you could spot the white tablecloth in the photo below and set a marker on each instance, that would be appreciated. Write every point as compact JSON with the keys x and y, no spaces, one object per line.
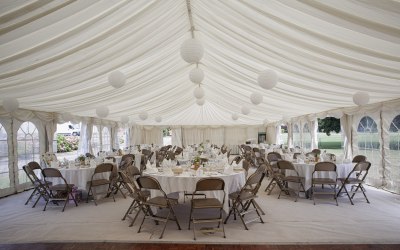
{"x":305,"y":170}
{"x":171,"y":184}
{"x":80,"y":176}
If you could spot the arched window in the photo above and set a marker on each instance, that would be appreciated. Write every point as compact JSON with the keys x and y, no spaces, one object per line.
{"x":306,"y":137}
{"x":4,"y":170}
{"x":393,"y":156}
{"x":368,"y":139}
{"x":95,"y":140}
{"x":296,"y":136}
{"x":105,"y":136}
{"x":28,"y":148}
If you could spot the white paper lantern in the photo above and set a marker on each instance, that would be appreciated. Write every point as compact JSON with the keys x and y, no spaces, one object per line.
{"x":102,"y":111}
{"x":124,"y":119}
{"x":201,"y":101}
{"x":198,"y":92}
{"x":196,"y":75}
{"x":245,"y":110}
{"x":235,"y":116}
{"x":117,"y":79}
{"x":143,"y":115}
{"x":66,"y":116}
{"x":256,"y":98}
{"x":10,"y":104}
{"x":158,"y":119}
{"x":267,"y":79}
{"x":361,"y":98}
{"x":192,"y":50}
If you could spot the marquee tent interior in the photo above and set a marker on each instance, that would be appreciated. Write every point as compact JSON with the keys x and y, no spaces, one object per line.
{"x":112,"y":64}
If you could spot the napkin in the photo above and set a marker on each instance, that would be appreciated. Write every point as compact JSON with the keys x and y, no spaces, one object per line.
{"x":234,"y":164}
{"x":228,"y":169}
{"x":93,"y":163}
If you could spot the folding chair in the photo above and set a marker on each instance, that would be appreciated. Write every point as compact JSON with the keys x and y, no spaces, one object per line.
{"x":203,"y":185}
{"x":96,"y":182}
{"x":59,"y":192}
{"x":324,"y":168}
{"x":360,"y":171}
{"x":245,"y":197}
{"x":359,"y":158}
{"x":150,"y":183}
{"x":276,"y":179}
{"x":39,"y":185}
{"x":287,"y":165}
{"x":136,"y":194}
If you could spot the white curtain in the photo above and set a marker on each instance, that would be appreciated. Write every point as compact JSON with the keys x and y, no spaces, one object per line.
{"x":346,"y":122}
{"x":214,"y":135}
{"x":272,"y":133}
{"x":176,"y":137}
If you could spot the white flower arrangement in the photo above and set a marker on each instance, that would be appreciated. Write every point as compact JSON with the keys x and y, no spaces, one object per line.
{"x":48,"y":157}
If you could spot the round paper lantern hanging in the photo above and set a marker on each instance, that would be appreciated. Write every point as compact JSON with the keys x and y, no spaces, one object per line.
{"x":235,"y":116}
{"x":143,"y":115}
{"x":158,"y":119}
{"x":245,"y":110}
{"x":102,"y":111}
{"x":361,"y":98}
{"x":196,"y":75}
{"x":256,"y":98}
{"x":124,"y":119}
{"x":117,"y":79}
{"x":198,"y":92}
{"x":200,"y":101}
{"x":267,"y":79}
{"x":66,"y":116}
{"x":10,"y":104}
{"x":192,"y":51}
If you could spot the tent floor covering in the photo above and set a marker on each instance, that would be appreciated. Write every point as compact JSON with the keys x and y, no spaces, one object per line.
{"x":288,"y":224}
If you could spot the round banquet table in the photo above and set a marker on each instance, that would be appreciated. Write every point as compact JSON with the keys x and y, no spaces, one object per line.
{"x":180,"y":183}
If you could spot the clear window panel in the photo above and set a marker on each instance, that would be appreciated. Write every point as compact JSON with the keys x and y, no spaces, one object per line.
{"x":27,"y":148}
{"x":4,"y":170}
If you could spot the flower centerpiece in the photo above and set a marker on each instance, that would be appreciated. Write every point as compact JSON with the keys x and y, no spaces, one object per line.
{"x":47,"y":158}
{"x":196,"y":162}
{"x":81,"y":159}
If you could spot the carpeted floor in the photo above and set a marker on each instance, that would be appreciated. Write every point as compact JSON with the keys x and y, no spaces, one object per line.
{"x":286,"y":222}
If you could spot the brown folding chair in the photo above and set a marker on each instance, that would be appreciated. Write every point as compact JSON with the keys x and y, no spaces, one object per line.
{"x":203,"y":185}
{"x":136,"y":194}
{"x":290,"y":178}
{"x":275,"y":179}
{"x":39,"y":186}
{"x":360,"y":171}
{"x":324,"y":168}
{"x":246,"y":197}
{"x":150,"y":183}
{"x":359,"y":158}
{"x":59,"y":192}
{"x":97,"y":182}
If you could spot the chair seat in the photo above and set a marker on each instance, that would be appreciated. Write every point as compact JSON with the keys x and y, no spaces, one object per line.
{"x":293,"y":178}
{"x":206,"y":203}
{"x":61,"y":187}
{"x":99,"y":182}
{"x":326,"y":181}
{"x":158,"y":201}
{"x":350,"y":180}
{"x":243,"y":195}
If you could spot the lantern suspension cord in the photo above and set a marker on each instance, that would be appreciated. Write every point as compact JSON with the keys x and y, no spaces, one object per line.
{"x":189,"y":9}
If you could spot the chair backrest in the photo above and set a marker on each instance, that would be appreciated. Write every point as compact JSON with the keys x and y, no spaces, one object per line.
{"x":146,"y":152}
{"x":316,"y":151}
{"x":34,"y":165}
{"x":89,"y":155}
{"x":237,"y":159}
{"x":274,"y":156}
{"x":325,"y":166}
{"x":359,"y":158}
{"x":51,"y":173}
{"x":202,"y":160}
{"x":246,"y":165}
{"x":30,"y":174}
{"x":104,"y":167}
{"x":133,"y":171}
{"x":210,"y":184}
{"x":283,"y":165}
{"x":362,"y":166}
{"x":148,"y":182}
{"x":295,"y":155}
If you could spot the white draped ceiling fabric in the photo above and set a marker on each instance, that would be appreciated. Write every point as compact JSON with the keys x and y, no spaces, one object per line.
{"x":56,"y":56}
